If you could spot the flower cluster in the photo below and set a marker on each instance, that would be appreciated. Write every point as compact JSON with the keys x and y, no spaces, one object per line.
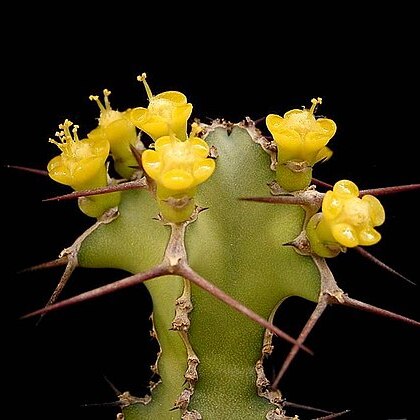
{"x":175,"y":163}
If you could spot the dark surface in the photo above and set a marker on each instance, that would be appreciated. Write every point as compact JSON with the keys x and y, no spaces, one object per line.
{"x":364,"y":363}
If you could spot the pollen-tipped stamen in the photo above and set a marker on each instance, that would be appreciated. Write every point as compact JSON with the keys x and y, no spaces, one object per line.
{"x":142,"y":78}
{"x":66,"y":139}
{"x":315,"y":102}
{"x":103,"y":107}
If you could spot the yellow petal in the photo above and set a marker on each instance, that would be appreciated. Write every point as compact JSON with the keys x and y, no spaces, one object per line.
{"x":323,"y":155}
{"x":294,"y":113}
{"x":161,"y":142}
{"x":376,"y":210}
{"x":177,"y":179}
{"x":155,"y":128}
{"x":331,"y":205}
{"x":328,"y":126}
{"x":95,"y":133}
{"x":345,"y":235}
{"x":151,"y":161}
{"x":98,"y":147}
{"x":274,"y":122}
{"x":203,"y":170}
{"x":120,"y":131}
{"x":200,"y":147}
{"x":369,"y":236}
{"x":288,"y":141}
{"x":151,"y":123}
{"x":178,"y":123}
{"x":315,"y":141}
{"x":138,"y":115}
{"x":74,"y":173}
{"x":173,"y":96}
{"x":346,"y":188}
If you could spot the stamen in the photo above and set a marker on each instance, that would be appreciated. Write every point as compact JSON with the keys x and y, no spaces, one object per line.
{"x":65,"y":137}
{"x":315,"y":103}
{"x":107,"y":93}
{"x":97,"y":100}
{"x":75,"y":135}
{"x":142,"y":78}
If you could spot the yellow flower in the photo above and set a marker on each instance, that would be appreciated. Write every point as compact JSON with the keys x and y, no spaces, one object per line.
{"x":119,"y":131}
{"x":167,"y":114}
{"x":352,"y":219}
{"x":300,"y":136}
{"x":346,"y":220}
{"x":178,"y":167}
{"x":81,"y":163}
{"x":301,"y":142}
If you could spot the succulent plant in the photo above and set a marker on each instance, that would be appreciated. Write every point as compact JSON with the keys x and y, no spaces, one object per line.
{"x":222,"y":222}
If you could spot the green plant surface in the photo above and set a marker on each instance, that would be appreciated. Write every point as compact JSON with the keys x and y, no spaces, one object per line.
{"x":237,"y":249}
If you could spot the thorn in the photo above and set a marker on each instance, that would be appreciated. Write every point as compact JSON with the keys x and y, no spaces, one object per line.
{"x":107,"y":404}
{"x":26,"y":169}
{"x":291,"y":243}
{"x":185,"y":271}
{"x":156,"y":271}
{"x":333,"y":415}
{"x":49,"y":264}
{"x":353,"y":303}
{"x":130,"y":185}
{"x":137,"y":156}
{"x":391,"y":190}
{"x":320,"y":183}
{"x":259,"y":120}
{"x":278,"y":199}
{"x":305,"y":407}
{"x":113,"y":387}
{"x":316,"y":314}
{"x":379,"y":263}
{"x":70,"y":267}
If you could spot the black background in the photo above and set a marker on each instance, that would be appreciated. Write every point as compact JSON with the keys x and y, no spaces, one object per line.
{"x":369,"y":83}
